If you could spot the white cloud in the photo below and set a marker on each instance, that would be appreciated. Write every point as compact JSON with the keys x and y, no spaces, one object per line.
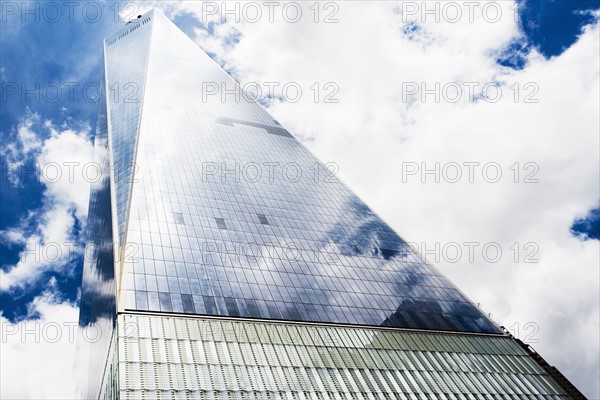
{"x":60,"y":154}
{"x":38,"y":354}
{"x":70,"y":151}
{"x":16,"y":151}
{"x":371,"y":132}
{"x":28,"y":139}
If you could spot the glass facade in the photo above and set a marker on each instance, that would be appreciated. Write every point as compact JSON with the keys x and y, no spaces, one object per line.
{"x":230,"y":215}
{"x":212,"y":219}
{"x":97,"y":309}
{"x":126,"y":60}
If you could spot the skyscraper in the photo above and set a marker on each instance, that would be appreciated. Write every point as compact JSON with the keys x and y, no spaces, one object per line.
{"x":225,"y":261}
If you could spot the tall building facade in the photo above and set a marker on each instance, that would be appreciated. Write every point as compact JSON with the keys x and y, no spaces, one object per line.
{"x":225,"y":261}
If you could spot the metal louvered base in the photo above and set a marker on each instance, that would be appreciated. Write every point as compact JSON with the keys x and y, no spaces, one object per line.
{"x":195,"y":358}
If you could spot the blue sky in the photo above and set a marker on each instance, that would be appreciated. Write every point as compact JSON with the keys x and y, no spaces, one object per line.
{"x":45,"y":53}
{"x":41,"y":54}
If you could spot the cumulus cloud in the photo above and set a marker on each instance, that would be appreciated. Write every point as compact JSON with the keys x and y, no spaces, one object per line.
{"x":16,"y":151}
{"x":46,"y":235}
{"x":38,"y":353}
{"x":538,"y":124}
